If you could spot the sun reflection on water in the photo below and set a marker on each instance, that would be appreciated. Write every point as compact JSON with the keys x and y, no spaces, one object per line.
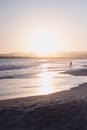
{"x":46,"y":81}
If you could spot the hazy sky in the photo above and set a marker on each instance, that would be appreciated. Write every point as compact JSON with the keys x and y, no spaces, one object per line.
{"x":24,"y":23}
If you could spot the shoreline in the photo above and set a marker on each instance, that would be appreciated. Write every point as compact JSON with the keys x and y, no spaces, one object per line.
{"x":64,"y":110}
{"x":58,"y":94}
{"x":77,"y":72}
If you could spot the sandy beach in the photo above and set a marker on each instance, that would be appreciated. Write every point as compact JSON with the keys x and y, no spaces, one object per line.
{"x":65,"y":110}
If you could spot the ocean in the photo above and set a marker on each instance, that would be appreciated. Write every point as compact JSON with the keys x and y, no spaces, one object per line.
{"x":30,"y":77}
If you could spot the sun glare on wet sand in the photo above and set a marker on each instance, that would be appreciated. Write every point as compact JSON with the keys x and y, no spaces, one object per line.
{"x":46,"y":81}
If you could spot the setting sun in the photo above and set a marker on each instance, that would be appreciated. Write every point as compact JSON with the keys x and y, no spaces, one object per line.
{"x":44,"y":43}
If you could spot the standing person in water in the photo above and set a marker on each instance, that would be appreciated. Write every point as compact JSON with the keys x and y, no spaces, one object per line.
{"x":70,"y":65}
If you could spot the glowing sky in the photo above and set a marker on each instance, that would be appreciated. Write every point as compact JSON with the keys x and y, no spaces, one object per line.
{"x":26,"y":24}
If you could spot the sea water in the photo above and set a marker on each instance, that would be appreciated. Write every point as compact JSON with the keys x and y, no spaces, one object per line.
{"x":30,"y":77}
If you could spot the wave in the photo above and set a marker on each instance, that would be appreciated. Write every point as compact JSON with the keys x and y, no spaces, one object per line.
{"x":14,"y":67}
{"x":11,"y":67}
{"x":13,"y":76}
{"x":19,"y":76}
{"x":7,"y":77}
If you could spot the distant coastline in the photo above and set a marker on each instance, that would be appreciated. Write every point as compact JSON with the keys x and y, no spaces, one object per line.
{"x":48,"y":58}
{"x":59,"y":55}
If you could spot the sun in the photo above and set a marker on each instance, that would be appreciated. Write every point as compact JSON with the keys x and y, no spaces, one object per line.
{"x":44,"y":43}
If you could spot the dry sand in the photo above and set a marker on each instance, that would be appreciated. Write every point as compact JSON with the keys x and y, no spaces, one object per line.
{"x":65,"y":110}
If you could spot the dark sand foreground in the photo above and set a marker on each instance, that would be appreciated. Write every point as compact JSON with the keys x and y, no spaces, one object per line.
{"x":65,"y":110}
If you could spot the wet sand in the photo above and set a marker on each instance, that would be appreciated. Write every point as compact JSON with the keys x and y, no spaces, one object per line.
{"x":79,"y":72}
{"x":65,"y":110}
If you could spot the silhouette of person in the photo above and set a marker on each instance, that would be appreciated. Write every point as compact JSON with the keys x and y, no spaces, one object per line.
{"x":70,"y":65}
